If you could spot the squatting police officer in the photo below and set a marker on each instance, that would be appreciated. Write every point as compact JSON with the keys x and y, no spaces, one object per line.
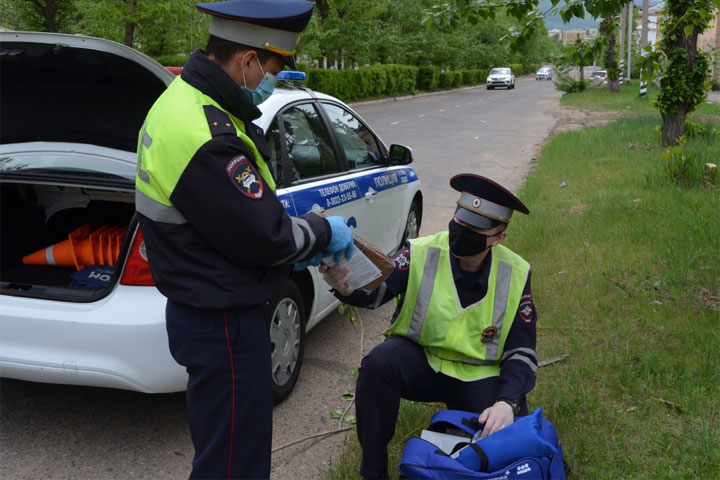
{"x":219,"y":243}
{"x":463,"y":331}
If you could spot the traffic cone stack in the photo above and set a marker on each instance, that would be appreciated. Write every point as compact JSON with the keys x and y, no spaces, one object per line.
{"x":82,"y":247}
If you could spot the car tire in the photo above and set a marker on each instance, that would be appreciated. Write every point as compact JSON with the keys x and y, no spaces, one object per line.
{"x":490,"y":88}
{"x":286,"y":324}
{"x":412,"y":224}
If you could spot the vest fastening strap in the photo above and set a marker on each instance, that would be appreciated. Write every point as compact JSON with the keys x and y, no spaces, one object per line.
{"x":157,"y":211}
{"x":424,"y":294}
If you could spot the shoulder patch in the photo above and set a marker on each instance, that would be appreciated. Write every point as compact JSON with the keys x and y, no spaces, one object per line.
{"x":402,"y":259}
{"x":244,"y":176}
{"x":526,"y":310}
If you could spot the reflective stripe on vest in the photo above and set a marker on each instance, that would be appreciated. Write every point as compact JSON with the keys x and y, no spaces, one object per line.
{"x":174,"y":130}
{"x":433,"y":317}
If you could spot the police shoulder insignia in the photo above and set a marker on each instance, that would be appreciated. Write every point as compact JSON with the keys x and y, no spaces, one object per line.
{"x":526,"y":310}
{"x":402,"y":259}
{"x":245,"y":177}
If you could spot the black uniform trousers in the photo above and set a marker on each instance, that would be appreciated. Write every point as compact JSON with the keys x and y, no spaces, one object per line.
{"x":395,"y":369}
{"x":229,"y":390}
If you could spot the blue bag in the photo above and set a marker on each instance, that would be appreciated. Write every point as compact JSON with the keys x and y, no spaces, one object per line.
{"x":527,"y":450}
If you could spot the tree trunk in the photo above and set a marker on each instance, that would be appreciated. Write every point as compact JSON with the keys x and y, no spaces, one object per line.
{"x":716,"y":69}
{"x":130,"y":26}
{"x":673,"y":127}
{"x":613,"y":82}
{"x":50,"y":9}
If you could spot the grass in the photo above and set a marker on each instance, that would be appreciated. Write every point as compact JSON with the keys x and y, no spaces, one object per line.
{"x":626,"y":279}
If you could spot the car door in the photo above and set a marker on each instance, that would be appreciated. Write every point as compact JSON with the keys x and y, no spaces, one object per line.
{"x":380,"y":215}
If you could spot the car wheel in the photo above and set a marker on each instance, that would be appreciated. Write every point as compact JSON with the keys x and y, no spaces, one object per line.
{"x":286,"y":322}
{"x":489,"y":87}
{"x":412,"y":225}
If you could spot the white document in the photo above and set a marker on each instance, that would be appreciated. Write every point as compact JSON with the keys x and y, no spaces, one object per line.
{"x":362,"y":269}
{"x":443,"y":441}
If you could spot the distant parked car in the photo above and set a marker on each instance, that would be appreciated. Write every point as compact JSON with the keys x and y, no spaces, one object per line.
{"x":599,"y":77}
{"x":545,"y":73}
{"x":501,"y":77}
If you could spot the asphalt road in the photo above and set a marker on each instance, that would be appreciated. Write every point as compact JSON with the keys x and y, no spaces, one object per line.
{"x":62,"y":432}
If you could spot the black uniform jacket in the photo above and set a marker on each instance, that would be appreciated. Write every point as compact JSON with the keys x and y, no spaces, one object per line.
{"x":517,"y":376}
{"x":234,"y":250}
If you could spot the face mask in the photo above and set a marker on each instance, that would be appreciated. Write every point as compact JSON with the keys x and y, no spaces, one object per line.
{"x":465,"y":242}
{"x":264,"y":89}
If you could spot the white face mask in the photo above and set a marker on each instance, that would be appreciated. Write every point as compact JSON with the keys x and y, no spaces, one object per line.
{"x":264,"y":89}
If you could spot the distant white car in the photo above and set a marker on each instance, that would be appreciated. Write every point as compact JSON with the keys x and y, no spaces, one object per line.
{"x":501,"y":77}
{"x":599,"y":77}
{"x":544,"y":73}
{"x":71,"y":110}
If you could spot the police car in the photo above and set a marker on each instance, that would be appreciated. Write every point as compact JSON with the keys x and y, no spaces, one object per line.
{"x":71,"y":110}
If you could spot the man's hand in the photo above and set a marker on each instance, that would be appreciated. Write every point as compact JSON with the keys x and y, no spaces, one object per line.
{"x":337,"y":277}
{"x":341,"y":240}
{"x":496,"y":417}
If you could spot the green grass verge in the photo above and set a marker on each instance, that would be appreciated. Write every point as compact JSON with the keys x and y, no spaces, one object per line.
{"x":626,"y":279}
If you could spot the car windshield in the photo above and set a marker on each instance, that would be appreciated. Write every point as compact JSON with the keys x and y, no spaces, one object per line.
{"x":598,"y":74}
{"x":544,"y":70}
{"x":500,"y":71}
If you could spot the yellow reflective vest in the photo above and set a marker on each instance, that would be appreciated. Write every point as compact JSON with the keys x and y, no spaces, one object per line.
{"x":169,"y":118}
{"x":464,"y":343}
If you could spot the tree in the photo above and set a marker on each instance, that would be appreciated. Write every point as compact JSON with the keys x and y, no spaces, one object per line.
{"x":684,"y":70}
{"x":716,"y":68}
{"x":37,"y":15}
{"x":582,"y":53}
{"x":155,"y":27}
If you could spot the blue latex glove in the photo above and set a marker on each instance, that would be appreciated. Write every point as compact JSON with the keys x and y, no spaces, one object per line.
{"x":341,"y":241}
{"x":315,"y":261}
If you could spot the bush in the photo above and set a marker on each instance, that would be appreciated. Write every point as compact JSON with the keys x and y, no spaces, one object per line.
{"x":517,"y":69}
{"x":427,"y":78}
{"x":172,"y":60}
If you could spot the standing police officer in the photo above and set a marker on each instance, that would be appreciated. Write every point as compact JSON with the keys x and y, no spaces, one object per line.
{"x":219,"y":243}
{"x":463,"y":331}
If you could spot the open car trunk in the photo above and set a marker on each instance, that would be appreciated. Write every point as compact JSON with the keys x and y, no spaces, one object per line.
{"x":39,"y":217}
{"x":72,"y":107}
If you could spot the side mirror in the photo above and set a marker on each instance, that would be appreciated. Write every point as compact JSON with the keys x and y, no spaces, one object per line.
{"x":400,"y":155}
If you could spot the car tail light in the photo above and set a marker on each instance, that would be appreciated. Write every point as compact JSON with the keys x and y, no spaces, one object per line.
{"x":137,"y":270}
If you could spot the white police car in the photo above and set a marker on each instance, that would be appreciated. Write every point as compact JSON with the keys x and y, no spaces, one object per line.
{"x":71,"y":110}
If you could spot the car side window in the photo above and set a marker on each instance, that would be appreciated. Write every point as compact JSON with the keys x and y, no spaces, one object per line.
{"x":308,"y":143}
{"x":360,"y":146}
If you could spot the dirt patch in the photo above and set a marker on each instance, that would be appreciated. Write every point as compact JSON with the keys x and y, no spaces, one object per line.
{"x":577,"y":208}
{"x":569,"y":119}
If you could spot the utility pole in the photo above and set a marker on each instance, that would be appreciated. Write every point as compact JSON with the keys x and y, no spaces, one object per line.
{"x":631,"y":28}
{"x":643,"y":44}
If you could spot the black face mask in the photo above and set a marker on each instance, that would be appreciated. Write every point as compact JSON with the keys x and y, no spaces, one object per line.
{"x":465,"y":242}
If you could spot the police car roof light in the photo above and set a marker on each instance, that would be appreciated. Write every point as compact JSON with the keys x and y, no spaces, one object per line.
{"x":292,"y":75}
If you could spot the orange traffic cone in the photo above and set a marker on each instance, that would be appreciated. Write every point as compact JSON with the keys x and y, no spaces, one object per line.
{"x":97,"y":245}
{"x":62,"y":254}
{"x":106,"y":240}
